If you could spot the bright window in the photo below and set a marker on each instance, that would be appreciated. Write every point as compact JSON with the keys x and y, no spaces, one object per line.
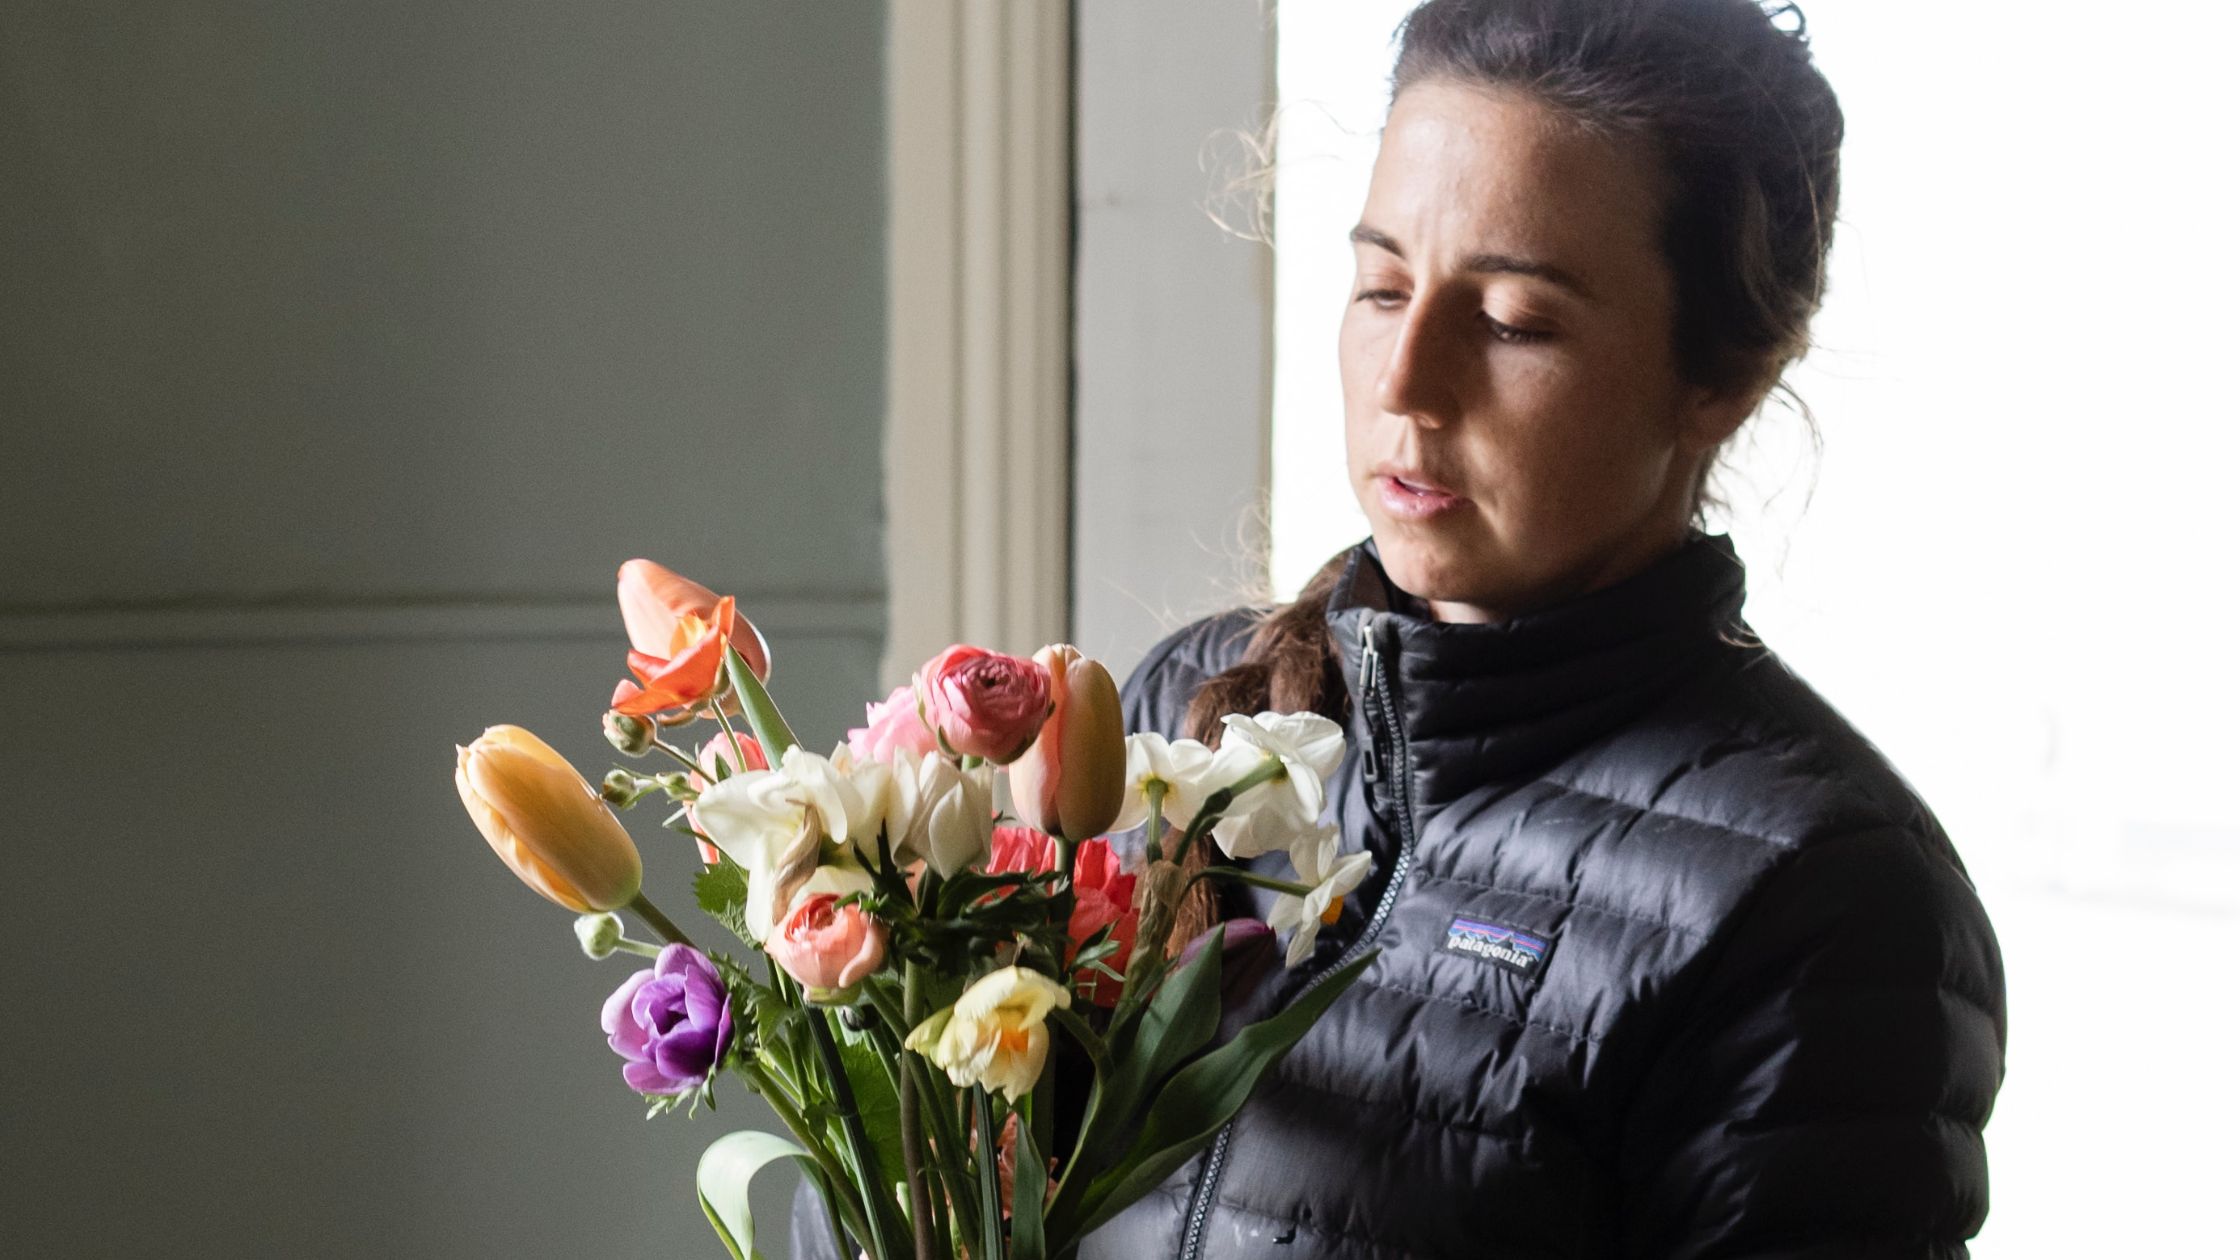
{"x":2013,"y":568}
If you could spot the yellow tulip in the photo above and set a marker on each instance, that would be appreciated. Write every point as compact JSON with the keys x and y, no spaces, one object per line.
{"x":1070,"y":783}
{"x":997,"y":1035}
{"x":546,"y":822}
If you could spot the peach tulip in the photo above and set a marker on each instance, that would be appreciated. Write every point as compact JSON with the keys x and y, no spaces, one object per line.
{"x":1070,"y":783}
{"x":678,"y":630}
{"x":546,"y":822}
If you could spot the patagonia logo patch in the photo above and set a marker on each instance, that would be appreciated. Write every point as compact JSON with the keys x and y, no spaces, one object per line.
{"x":1520,"y":952}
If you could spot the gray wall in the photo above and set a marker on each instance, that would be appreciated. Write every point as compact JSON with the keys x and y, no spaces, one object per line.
{"x":1173,"y":328}
{"x":345,"y":349}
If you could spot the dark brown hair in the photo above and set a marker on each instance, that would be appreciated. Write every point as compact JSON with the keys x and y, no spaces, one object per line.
{"x":1746,"y":131}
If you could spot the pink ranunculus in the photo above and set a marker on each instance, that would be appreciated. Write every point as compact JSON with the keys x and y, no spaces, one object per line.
{"x":892,"y":726}
{"x":826,"y":946}
{"x":985,"y":704}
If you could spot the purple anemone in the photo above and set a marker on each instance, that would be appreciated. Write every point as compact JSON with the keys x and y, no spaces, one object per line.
{"x":671,"y":1021}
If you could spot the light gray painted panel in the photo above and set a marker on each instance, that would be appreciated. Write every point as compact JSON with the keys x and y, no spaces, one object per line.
{"x":414,"y":297}
{"x":345,"y":349}
{"x":1173,"y":320}
{"x":268,"y":992}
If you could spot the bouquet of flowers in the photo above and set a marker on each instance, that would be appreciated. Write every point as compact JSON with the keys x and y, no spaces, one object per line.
{"x":907,"y":948}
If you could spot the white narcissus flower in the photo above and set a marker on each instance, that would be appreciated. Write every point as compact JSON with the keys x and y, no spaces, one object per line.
{"x":940,"y":813}
{"x":1181,"y":765}
{"x":774,"y":822}
{"x":1314,"y":858}
{"x":1272,"y":815}
{"x":997,"y":1035}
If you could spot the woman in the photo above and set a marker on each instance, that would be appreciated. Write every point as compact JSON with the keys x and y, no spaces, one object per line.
{"x":1671,"y":963}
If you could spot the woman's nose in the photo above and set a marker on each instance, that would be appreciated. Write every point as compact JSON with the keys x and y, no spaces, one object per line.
{"x":1418,"y":379}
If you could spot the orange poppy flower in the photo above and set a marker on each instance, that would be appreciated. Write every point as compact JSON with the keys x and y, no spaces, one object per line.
{"x":678,"y":631}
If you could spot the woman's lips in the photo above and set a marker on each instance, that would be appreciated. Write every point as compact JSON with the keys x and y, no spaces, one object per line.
{"x":1414,"y":500}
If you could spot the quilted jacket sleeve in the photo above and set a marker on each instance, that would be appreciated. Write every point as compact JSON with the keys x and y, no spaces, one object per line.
{"x":1826,"y":1096}
{"x":1158,"y":693}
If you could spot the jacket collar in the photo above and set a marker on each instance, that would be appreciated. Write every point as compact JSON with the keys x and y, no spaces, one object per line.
{"x":1487,"y":703}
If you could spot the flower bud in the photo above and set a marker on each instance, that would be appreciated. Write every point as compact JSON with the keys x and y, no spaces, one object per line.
{"x":632,"y":736}
{"x":1070,"y":783}
{"x":545,"y":822}
{"x":622,"y":788}
{"x":600,"y":934}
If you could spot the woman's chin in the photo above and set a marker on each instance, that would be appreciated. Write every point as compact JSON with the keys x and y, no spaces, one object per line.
{"x":1438,"y":569}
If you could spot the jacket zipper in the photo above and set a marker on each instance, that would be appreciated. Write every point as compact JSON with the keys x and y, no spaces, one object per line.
{"x":1374,"y":682}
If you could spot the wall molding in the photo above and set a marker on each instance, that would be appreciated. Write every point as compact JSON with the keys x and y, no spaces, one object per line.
{"x":978,"y":431}
{"x":264,"y":625}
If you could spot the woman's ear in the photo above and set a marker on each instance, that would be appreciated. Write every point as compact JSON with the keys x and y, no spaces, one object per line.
{"x":1710,"y":415}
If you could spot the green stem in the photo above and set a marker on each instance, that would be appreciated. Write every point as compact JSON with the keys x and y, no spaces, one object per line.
{"x":737,"y":749}
{"x":1042,"y":1113}
{"x":1155,"y":794}
{"x":792,"y":1118}
{"x":1270,"y":768}
{"x":897,"y":1017}
{"x":991,"y":1193}
{"x":1088,"y":1038}
{"x":762,"y":714}
{"x":877,"y":1204}
{"x":658,"y":921}
{"x":678,"y":753}
{"x":1244,"y":876}
{"x":942,"y":1141}
{"x":643,"y":949}
{"x":914,"y":1166}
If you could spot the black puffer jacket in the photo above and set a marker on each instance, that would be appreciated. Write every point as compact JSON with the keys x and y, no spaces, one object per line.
{"x":1672,"y":963}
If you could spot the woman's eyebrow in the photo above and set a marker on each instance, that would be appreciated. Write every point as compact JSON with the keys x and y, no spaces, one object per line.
{"x":1480,"y":264}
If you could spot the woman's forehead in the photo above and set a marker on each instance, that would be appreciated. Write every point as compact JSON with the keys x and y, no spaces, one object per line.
{"x":1467,"y":171}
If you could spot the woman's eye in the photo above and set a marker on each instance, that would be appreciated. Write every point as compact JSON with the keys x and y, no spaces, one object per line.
{"x":1382,"y":299}
{"x":1512,"y":334}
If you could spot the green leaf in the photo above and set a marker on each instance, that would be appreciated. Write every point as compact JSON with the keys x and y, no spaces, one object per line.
{"x":1031,"y":1181}
{"x":1182,"y":1017}
{"x":721,"y":891}
{"x":876,"y":1102}
{"x":727,"y":1168}
{"x":1200,"y":1100}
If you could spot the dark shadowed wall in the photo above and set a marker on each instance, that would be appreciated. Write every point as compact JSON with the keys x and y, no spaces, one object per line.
{"x":345,"y":349}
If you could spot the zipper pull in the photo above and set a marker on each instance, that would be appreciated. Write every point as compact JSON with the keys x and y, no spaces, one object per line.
{"x":1370,"y":771}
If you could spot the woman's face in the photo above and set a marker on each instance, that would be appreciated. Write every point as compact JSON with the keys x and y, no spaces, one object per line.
{"x":1516,"y":425}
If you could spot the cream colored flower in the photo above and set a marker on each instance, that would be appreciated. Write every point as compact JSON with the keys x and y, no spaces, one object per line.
{"x":774,"y":823}
{"x":997,"y":1036}
{"x":1181,"y":765}
{"x":940,"y":813}
{"x":1272,"y":815}
{"x":1315,"y":861}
